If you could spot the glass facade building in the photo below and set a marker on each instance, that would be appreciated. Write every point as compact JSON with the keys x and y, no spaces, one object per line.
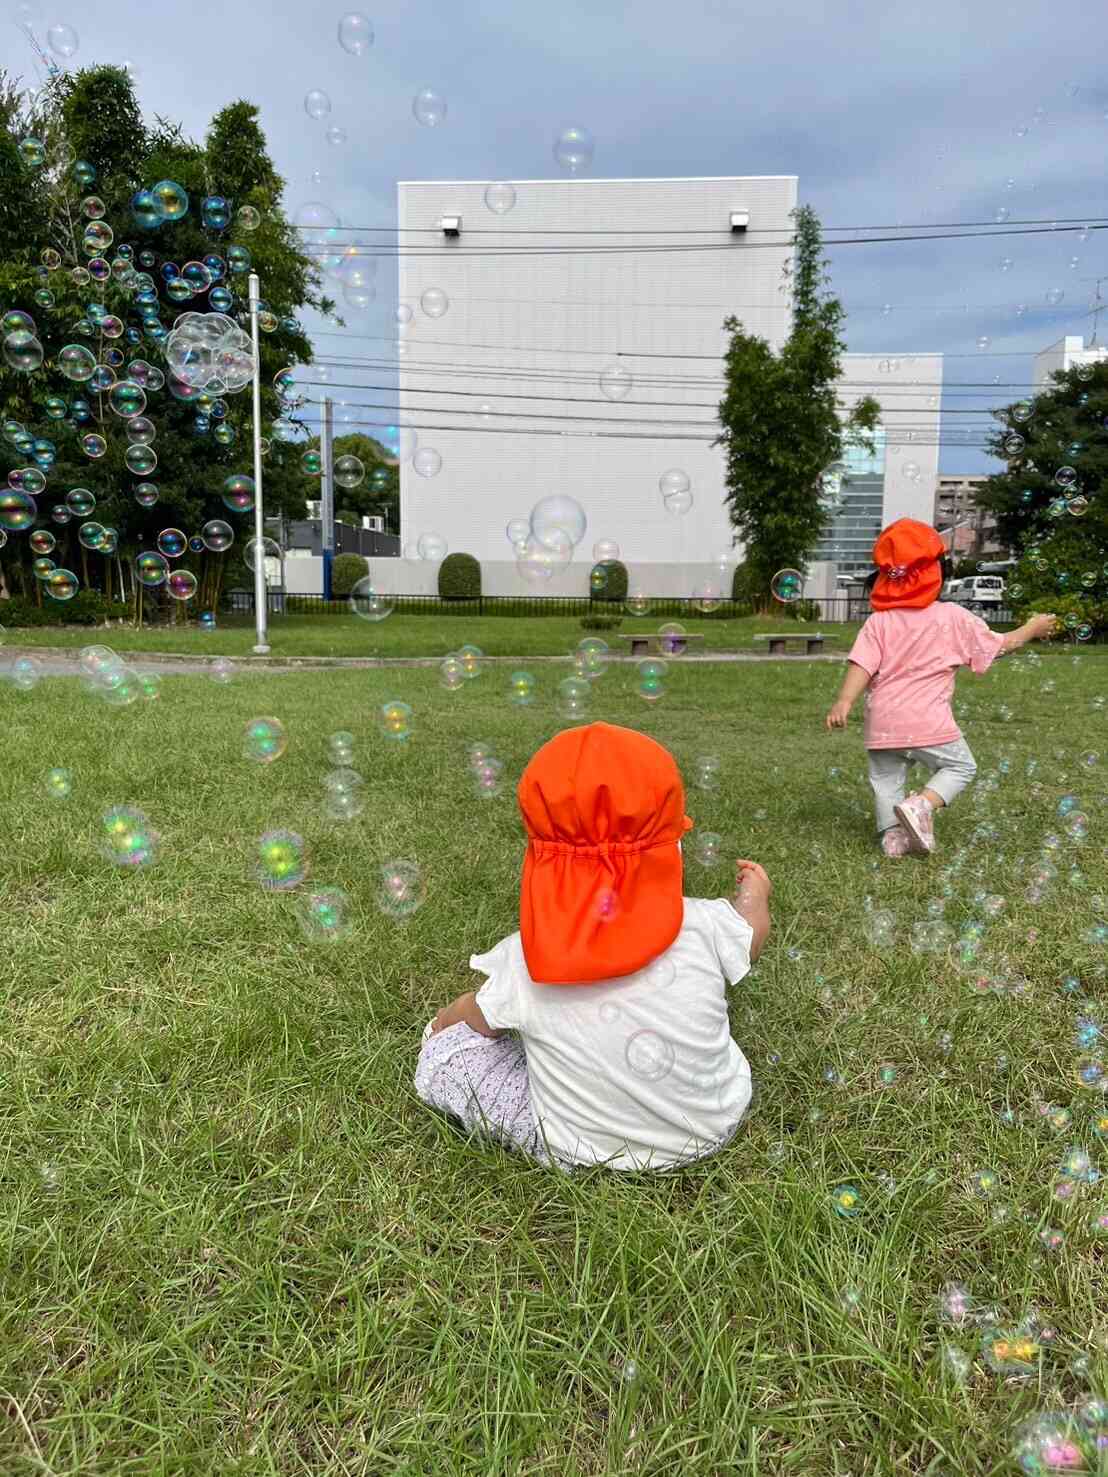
{"x":856,"y":499}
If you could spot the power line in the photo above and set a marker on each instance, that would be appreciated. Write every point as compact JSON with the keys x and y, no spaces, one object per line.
{"x":570,"y":400}
{"x":418,"y":252}
{"x":618,"y":354}
{"x":1081,"y":222}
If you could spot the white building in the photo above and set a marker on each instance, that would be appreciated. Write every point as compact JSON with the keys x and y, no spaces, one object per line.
{"x":1064,"y":355}
{"x":580,"y":276}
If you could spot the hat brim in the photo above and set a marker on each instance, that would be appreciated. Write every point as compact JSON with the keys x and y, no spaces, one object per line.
{"x":583,"y":920}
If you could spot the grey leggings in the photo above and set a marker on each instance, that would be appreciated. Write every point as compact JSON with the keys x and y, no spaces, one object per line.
{"x":952,"y":768}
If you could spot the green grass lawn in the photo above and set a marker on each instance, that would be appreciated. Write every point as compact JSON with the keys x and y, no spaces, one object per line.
{"x":407,"y":635}
{"x":235,"y":1242}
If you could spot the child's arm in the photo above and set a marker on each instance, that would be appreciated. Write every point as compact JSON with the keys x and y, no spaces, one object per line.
{"x":751,"y":901}
{"x":466,"y":1009}
{"x":855,"y":682}
{"x":1035,"y":629}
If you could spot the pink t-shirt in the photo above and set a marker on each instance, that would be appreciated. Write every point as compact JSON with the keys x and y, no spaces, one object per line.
{"x":912,"y":657}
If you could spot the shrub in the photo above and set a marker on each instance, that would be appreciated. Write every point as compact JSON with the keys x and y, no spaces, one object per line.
{"x":346,"y":571}
{"x":608,"y":581}
{"x":799,"y":610}
{"x":742,"y":585}
{"x":87,"y":608}
{"x":601,"y":622}
{"x":459,"y":577}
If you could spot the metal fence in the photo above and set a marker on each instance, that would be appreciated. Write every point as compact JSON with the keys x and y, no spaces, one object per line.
{"x":829,"y":612}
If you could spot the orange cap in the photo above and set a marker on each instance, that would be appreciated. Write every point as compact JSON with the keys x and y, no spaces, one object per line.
{"x":907,"y":555}
{"x":601,"y":896}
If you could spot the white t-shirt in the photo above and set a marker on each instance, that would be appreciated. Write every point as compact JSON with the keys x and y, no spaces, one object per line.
{"x":635,"y":1073}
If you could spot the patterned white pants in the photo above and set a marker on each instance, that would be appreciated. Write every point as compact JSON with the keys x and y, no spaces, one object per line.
{"x":952,"y":767}
{"x":482,"y":1082}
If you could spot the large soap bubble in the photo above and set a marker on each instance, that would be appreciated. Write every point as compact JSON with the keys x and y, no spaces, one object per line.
{"x":616,"y":382}
{"x":556,"y":518}
{"x":210,"y":353}
{"x":434,"y":302}
{"x":500,"y":197}
{"x":171,"y":200}
{"x":429,"y":107}
{"x":22,"y":351}
{"x":355,"y":33}
{"x":62,"y":39}
{"x":538,"y":560}
{"x":316,"y":103}
{"x":573,"y":149}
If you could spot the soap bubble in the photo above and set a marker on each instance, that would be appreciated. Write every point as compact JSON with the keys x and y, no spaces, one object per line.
{"x":1055,"y":1441}
{"x":238,"y":492}
{"x":678,"y":504}
{"x":221,"y":670}
{"x":355,"y":33}
{"x":217,"y":535}
{"x":429,"y":107}
{"x":707,"y":769}
{"x":32,"y":151}
{"x":42,"y":541}
{"x":707,"y":597}
{"x":616,"y":383}
{"x":672,"y":638}
{"x":451,"y":673}
{"x":61,"y":584}
{"x":427,"y":461}
{"x":395,"y":719}
{"x":369,"y":604}
{"x":181,"y":584}
{"x":649,"y":1055}
{"x":76,"y":363}
{"x":22,"y":351}
{"x":573,"y":697}
{"x":591,"y":657}
{"x":26,"y":673}
{"x":540,"y":559}
{"x":281,"y":862}
{"x":128,"y":839}
{"x":787,"y":585}
{"x":172,"y":543}
{"x":500,"y":197}
{"x":469,"y":658}
{"x":349,"y":471}
{"x":1054,"y":296}
{"x":324,"y":914}
{"x":59,"y":784}
{"x":846,"y":1201}
{"x":170,"y":199}
{"x":336,"y":134}
{"x":62,"y":39}
{"x":651,"y":680}
{"x":316,"y":103}
{"x":434,"y":303}
{"x":573,"y":149}
{"x":401,"y":889}
{"x":674,"y":483}
{"x":17,"y":511}
{"x":637,"y":603}
{"x":264,"y":740}
{"x":521,"y":689}
{"x":880,"y":927}
{"x":557,"y":518}
{"x":707,"y":848}
{"x":93,"y":445}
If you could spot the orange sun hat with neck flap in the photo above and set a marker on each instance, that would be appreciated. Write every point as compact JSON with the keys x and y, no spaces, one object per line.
{"x":602,"y":894}
{"x":907,"y":555}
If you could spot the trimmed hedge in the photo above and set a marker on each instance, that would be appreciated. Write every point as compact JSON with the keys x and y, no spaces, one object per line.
{"x":346,"y":571}
{"x":608,"y":581}
{"x":87,"y":608}
{"x":459,"y":577}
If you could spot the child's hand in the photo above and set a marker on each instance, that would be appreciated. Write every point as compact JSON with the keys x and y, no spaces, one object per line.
{"x":840,"y":712}
{"x":751,"y":882}
{"x":1043,"y":626}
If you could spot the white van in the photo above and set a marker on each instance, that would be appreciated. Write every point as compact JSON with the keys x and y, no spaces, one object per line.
{"x":977,"y":591}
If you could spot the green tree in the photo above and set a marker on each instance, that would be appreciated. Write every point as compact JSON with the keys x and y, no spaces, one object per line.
{"x":92,"y":117}
{"x":1051,"y":501}
{"x":782,"y":425}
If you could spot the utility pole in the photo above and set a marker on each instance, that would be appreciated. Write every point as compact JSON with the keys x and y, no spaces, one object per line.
{"x":261,"y":598}
{"x":327,"y":492}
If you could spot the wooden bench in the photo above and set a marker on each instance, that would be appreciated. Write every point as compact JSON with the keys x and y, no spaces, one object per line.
{"x":778,"y":641}
{"x":645,"y":641}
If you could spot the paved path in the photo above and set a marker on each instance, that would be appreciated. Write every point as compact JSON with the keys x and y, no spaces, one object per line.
{"x":62,"y":662}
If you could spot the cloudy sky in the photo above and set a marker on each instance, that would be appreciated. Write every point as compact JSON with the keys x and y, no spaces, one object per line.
{"x":889,"y":114}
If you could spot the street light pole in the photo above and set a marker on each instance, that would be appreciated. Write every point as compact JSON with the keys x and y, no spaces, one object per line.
{"x":261,"y":613}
